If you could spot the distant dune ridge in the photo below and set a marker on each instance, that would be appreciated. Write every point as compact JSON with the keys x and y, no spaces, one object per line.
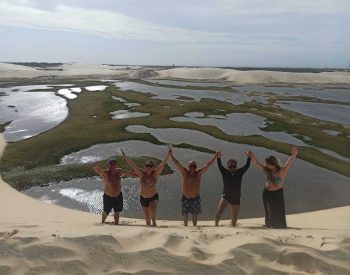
{"x":236,"y":76}
{"x":39,"y":238}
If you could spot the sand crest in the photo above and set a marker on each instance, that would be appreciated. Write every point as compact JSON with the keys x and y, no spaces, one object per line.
{"x":132,"y":72}
{"x":39,"y":238}
{"x":257,"y":76}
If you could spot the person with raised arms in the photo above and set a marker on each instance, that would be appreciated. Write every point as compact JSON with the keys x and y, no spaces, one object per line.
{"x":191,"y":182}
{"x":112,"y":197}
{"x":273,"y":198}
{"x":149,"y":197}
{"x":231,"y":195}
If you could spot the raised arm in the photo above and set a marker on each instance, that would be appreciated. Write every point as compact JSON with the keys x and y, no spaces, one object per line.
{"x":247,"y":164}
{"x":220,"y":166}
{"x":256,"y":162}
{"x":136,"y":169}
{"x":98,"y":169}
{"x":208,"y":164}
{"x":125,"y":173}
{"x":177,"y":163}
{"x":288,"y":163}
{"x":161,"y":166}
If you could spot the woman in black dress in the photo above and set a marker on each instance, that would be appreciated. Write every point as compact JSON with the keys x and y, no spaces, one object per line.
{"x":273,"y":198}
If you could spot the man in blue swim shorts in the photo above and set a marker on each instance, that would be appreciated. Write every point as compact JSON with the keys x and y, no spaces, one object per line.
{"x":191,"y":181}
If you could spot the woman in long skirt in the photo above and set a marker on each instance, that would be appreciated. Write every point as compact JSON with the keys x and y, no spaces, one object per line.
{"x":273,"y":192}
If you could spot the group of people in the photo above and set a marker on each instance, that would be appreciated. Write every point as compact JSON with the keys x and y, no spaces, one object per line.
{"x":273,"y":198}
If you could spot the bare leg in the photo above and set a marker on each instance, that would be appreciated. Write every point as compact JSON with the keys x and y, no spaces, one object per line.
{"x":116,"y":217}
{"x":185,"y":216}
{"x":153,"y":207}
{"x":147,"y":213}
{"x":234,"y":212}
{"x":104,"y":217}
{"x":194,"y":219}
{"x":222,"y":206}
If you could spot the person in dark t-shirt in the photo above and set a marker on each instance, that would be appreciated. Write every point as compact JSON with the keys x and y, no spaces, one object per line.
{"x":232,"y":178}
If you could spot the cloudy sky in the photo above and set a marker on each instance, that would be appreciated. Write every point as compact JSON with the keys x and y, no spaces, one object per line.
{"x":287,"y":33}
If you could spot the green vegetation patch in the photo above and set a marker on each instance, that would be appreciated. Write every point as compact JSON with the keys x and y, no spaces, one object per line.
{"x":3,"y":126}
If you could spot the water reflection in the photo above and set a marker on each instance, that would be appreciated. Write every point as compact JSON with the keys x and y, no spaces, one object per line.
{"x":32,"y":113}
{"x":67,"y":93}
{"x":123,"y":114}
{"x":341,"y":95}
{"x":173,"y":93}
{"x":240,"y":124}
{"x":128,"y":104}
{"x":329,"y":112}
{"x":187,"y":83}
{"x":332,"y":132}
{"x":98,"y":88}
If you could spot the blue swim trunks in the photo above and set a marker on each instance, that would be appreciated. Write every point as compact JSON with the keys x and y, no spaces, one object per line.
{"x":191,"y":205}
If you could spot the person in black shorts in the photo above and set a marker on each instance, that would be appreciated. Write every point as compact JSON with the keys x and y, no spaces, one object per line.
{"x":112,"y":195}
{"x":232,"y":178}
{"x":149,"y":176}
{"x":115,"y":203}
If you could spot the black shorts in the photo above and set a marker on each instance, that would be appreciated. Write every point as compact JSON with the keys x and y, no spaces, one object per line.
{"x":236,"y":199}
{"x":146,"y":201}
{"x":115,"y":203}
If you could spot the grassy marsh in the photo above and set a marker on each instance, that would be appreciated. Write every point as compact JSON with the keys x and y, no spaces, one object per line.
{"x":89,"y":122}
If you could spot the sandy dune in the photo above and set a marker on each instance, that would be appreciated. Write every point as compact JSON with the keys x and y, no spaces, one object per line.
{"x":38,"y":238}
{"x":238,"y":77}
{"x":246,"y":77}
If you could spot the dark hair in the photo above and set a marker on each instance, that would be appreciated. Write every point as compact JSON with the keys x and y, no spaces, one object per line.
{"x":272,"y":160}
{"x":231,"y":160}
{"x":149,"y":163}
{"x":112,"y":160}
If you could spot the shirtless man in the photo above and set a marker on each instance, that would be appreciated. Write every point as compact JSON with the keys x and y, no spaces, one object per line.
{"x":149,"y":197}
{"x":112,"y":197}
{"x":191,"y":181}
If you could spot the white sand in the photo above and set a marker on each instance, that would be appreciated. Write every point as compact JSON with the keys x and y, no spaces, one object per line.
{"x":259,"y":76}
{"x":65,"y":70}
{"x":39,"y":238}
{"x":238,"y":77}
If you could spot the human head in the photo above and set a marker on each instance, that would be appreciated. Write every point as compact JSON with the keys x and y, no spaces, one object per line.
{"x":112,"y":162}
{"x":149,"y":165}
{"x":232,"y":164}
{"x":192,"y":165}
{"x":272,"y":162}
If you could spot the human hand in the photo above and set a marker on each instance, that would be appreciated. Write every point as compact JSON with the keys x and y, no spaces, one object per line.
{"x":294,"y":151}
{"x":219,"y":154}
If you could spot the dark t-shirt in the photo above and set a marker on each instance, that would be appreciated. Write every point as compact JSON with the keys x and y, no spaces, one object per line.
{"x":232,"y":180}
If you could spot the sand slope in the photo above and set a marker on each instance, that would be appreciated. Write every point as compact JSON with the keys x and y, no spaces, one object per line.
{"x":132,"y":72}
{"x":38,"y":238}
{"x":258,"y":76}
